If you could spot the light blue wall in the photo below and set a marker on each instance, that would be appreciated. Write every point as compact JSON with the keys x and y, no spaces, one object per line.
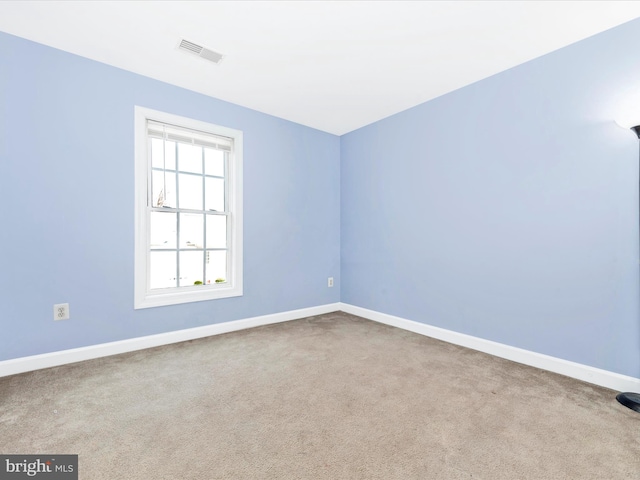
{"x":66,"y":169}
{"x":508,"y":209}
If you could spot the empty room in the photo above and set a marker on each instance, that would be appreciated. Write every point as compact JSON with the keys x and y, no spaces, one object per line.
{"x":320,"y":240}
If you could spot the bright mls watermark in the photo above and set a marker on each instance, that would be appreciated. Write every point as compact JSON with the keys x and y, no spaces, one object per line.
{"x":50,"y":467}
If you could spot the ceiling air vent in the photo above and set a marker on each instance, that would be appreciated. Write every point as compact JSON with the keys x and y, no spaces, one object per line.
{"x":200,"y":51}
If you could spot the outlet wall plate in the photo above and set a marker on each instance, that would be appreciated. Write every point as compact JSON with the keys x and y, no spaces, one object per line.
{"x":61,"y":311}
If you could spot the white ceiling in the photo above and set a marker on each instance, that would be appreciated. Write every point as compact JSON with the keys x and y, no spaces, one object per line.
{"x":331,"y":65}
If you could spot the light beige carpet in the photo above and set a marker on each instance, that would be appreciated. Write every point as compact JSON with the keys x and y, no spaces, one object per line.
{"x":327,"y":397}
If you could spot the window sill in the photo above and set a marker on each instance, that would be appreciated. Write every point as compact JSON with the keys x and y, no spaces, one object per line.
{"x":185,"y":295}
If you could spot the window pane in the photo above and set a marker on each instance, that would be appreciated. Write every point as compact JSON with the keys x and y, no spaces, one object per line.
{"x":214,"y":162}
{"x":191,"y":231}
{"x":214,"y":199}
{"x":191,"y":268}
{"x":162,"y":269}
{"x":163,"y":189}
{"x":157,"y":153}
{"x":163,"y":230}
{"x":190,"y":191}
{"x":216,"y":266}
{"x":216,"y":231}
{"x":170,"y":155}
{"x":163,"y":154}
{"x":189,"y":158}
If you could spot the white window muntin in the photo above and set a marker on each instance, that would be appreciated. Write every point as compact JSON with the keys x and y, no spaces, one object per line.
{"x":207,"y":215}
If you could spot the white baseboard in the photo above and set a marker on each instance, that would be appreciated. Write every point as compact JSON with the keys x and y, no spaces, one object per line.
{"x":579,"y":371}
{"x":46,"y":360}
{"x":604,"y":378}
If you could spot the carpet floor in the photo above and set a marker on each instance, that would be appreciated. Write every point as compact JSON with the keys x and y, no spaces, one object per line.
{"x":327,"y":397}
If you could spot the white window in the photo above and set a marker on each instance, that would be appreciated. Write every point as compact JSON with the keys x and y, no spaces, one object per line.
{"x":188,"y":210}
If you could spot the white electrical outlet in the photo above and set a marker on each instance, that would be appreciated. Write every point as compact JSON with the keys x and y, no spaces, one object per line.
{"x":61,"y":311}
{"x":330,"y":282}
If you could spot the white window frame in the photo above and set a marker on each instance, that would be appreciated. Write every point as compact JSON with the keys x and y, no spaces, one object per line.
{"x":144,"y":297}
